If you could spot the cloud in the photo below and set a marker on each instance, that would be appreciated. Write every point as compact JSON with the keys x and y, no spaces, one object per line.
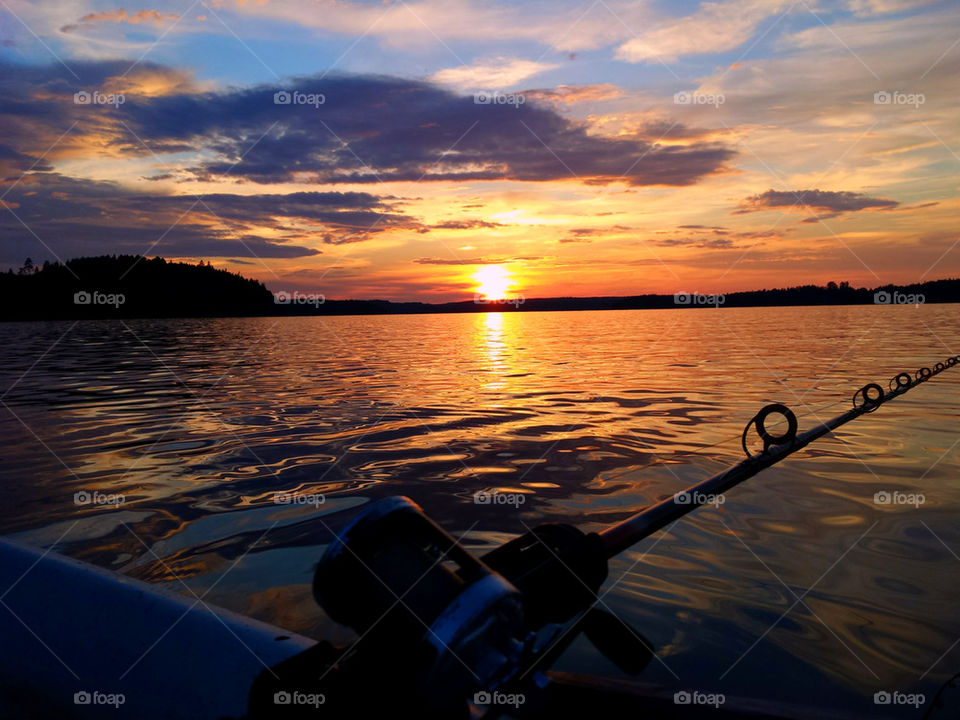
{"x":715,"y":237}
{"x":122,"y":16}
{"x":40,"y":121}
{"x":81,"y":217}
{"x":70,"y":239}
{"x":722,"y":243}
{"x":474,"y":260}
{"x":714,"y":27}
{"x":810,"y":107}
{"x":351,"y":210}
{"x":561,"y":24}
{"x":587,"y":234}
{"x":668,"y":130}
{"x":464,"y":225}
{"x":493,"y":74}
{"x":573,"y":94}
{"x":12,"y":160}
{"x":369,"y":129}
{"x":818,"y":93}
{"x":829,"y":203}
{"x":866,"y":8}
{"x":581,"y":235}
{"x":379,"y":129}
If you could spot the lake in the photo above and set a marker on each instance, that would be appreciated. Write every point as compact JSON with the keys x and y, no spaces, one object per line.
{"x":196,"y":425}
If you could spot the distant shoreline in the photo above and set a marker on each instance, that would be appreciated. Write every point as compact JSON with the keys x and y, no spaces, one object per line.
{"x":134,"y":287}
{"x":338,"y":308}
{"x":418,"y":312}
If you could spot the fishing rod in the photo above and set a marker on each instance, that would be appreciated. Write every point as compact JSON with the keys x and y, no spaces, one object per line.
{"x":439,"y":627}
{"x":868,"y":398}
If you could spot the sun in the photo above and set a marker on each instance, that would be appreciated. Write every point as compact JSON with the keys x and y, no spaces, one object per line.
{"x":493,"y":281}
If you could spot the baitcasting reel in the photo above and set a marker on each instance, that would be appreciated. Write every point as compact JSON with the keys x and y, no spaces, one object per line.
{"x":436,"y":625}
{"x":395,"y":570}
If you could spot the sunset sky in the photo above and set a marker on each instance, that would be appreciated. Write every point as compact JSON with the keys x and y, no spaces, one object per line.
{"x":429,"y":149}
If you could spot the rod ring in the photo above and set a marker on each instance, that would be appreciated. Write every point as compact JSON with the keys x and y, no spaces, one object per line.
{"x":769,"y":439}
{"x":903,"y":380}
{"x":872,"y":397}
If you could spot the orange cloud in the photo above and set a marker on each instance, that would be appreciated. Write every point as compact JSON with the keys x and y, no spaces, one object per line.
{"x":121,"y":15}
{"x":151,"y":81}
{"x":572,"y":94}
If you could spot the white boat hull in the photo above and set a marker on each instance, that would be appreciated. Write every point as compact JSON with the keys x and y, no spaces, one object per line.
{"x":78,"y":641}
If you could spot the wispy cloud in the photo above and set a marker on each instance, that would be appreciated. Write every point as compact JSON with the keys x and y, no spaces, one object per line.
{"x":714,"y":27}
{"x":152,"y":17}
{"x":493,"y":74}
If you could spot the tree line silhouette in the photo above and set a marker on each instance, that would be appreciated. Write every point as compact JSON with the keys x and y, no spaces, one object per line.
{"x":128,"y":286}
{"x":125,"y":286}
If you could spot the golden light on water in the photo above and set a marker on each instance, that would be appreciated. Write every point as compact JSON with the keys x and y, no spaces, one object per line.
{"x":493,"y":281}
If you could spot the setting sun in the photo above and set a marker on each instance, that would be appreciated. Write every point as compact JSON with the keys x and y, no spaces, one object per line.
{"x":493,"y":281}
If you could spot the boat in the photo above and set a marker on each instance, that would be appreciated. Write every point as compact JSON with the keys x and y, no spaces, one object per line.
{"x":80,"y":641}
{"x":77,"y":640}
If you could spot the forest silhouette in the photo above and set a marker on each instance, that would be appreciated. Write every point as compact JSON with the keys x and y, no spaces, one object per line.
{"x":126,"y":286}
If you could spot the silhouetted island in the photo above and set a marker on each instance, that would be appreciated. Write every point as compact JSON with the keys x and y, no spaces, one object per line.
{"x":128,"y":286}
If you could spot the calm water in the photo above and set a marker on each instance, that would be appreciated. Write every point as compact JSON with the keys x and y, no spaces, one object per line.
{"x":198,"y":423}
